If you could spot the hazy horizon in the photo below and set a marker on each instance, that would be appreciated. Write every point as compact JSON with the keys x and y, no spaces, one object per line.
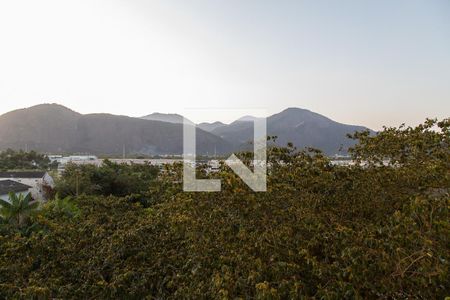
{"x":356,"y":62}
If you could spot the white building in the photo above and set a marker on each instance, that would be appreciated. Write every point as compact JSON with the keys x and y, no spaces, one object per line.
{"x":35,"y":179}
{"x":62,"y":160}
{"x":9,"y":186}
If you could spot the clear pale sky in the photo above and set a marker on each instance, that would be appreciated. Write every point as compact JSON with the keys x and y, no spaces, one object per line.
{"x":369,"y":63}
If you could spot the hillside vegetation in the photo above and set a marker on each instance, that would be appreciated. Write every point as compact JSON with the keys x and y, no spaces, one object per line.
{"x":376,"y":230}
{"x":54,"y":128}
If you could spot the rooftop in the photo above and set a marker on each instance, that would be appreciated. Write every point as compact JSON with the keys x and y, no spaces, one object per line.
{"x":23,"y":174}
{"x":9,"y":186}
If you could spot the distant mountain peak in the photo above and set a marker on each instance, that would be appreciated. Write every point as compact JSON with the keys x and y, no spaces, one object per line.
{"x":45,"y":109}
{"x":302,"y":127}
{"x":247,"y":118}
{"x":210,"y":126}
{"x":214,"y":123}
{"x":168,"y":118}
{"x":295,"y":109}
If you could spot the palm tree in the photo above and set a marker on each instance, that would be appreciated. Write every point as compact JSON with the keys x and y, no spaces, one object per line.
{"x":18,"y":209}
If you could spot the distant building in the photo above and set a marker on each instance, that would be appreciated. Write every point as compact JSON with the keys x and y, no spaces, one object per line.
{"x":213,"y":166}
{"x":62,"y":160}
{"x":10,"y":186}
{"x":35,"y":179}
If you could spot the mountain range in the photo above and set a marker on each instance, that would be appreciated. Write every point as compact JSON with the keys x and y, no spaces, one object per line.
{"x":53,"y":128}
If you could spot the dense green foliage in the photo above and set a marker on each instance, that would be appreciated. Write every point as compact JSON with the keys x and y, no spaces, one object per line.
{"x":17,"y":210}
{"x":15,"y":160}
{"x":369,"y":231}
{"x":108,"y":179}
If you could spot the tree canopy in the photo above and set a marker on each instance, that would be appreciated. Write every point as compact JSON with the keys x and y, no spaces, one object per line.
{"x":108,"y":179}
{"x":12,"y":160}
{"x":373,"y":230}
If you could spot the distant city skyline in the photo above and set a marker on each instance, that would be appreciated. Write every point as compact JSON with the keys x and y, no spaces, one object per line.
{"x":369,"y":63}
